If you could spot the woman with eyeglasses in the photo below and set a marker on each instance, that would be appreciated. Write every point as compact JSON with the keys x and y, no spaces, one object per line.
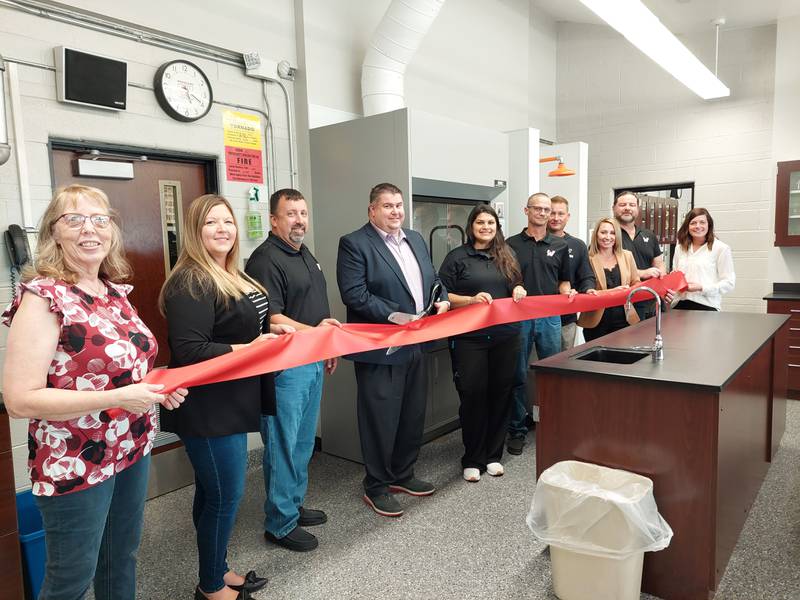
{"x":77,"y":348}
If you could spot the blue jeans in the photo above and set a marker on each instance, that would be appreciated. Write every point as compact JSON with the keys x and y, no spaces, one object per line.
{"x":219,"y":465}
{"x":545,"y":335}
{"x":288,"y":438}
{"x":95,"y":534}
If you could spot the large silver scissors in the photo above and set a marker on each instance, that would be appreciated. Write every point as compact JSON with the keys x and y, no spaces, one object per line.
{"x":401,"y":318}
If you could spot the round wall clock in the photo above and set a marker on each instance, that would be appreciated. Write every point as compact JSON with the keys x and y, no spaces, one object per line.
{"x":183,"y":90}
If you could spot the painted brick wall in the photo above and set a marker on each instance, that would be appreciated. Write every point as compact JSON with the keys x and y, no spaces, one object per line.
{"x":785,"y":262}
{"x":643,"y":128}
{"x":29,"y":38}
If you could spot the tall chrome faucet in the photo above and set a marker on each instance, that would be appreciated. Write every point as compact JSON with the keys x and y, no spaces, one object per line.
{"x":657,"y":349}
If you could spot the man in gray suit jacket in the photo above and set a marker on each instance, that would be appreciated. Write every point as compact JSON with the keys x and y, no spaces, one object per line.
{"x":383,"y":268}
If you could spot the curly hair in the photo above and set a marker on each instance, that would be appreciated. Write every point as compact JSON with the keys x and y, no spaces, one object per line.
{"x":49,"y":260}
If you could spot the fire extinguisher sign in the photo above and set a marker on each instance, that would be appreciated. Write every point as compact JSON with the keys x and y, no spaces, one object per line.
{"x":243,"y":156}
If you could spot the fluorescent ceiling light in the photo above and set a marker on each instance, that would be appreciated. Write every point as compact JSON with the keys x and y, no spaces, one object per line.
{"x":643,"y":29}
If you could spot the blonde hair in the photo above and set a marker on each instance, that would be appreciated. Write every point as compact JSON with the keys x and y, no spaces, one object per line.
{"x":594,"y":248}
{"x":50,"y":261}
{"x":196,"y":271}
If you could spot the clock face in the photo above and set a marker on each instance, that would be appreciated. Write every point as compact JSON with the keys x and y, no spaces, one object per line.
{"x":183,"y":90}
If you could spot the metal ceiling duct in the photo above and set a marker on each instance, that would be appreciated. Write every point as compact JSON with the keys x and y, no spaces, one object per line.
{"x":391,"y":49}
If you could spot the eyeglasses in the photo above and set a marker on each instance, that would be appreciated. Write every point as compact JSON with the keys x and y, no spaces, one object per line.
{"x":540,"y":209}
{"x":76,"y":220}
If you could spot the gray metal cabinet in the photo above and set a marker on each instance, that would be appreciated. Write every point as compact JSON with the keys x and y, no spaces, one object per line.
{"x":347,"y":159}
{"x":443,"y":403}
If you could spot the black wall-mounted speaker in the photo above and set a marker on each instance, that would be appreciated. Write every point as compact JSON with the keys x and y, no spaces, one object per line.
{"x":91,"y":79}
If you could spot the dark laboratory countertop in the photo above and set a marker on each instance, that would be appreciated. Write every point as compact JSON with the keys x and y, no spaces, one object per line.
{"x":784,"y":291}
{"x":701,"y":349}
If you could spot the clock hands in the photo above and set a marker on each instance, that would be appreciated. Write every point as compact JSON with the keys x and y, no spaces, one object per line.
{"x":189,"y":94}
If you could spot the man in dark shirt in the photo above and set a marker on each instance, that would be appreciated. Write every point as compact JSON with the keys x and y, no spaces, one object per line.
{"x":544,"y":260}
{"x":298,"y":297}
{"x":581,"y":276}
{"x":642,"y":242}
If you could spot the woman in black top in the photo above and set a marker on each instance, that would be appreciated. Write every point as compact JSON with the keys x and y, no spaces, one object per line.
{"x":614,"y":269}
{"x":484,"y":361}
{"x":213,"y":308}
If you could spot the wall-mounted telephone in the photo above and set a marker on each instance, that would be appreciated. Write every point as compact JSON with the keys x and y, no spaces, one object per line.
{"x":19,"y":251}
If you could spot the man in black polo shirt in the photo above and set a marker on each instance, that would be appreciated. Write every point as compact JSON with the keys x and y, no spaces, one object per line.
{"x":297,"y":297}
{"x":544,"y":260}
{"x":642,"y":242}
{"x":581,"y":276}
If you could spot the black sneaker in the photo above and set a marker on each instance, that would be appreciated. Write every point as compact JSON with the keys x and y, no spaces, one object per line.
{"x":384,"y":504}
{"x":310,"y":517}
{"x":515,"y":445}
{"x":413,"y":487}
{"x":298,"y":539}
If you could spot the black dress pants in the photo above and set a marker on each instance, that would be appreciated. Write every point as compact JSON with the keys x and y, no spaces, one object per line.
{"x":483,"y":371}
{"x":692,"y":305}
{"x":603,"y":328}
{"x":391,"y":419}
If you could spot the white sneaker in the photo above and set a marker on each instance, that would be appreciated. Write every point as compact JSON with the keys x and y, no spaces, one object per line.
{"x":495,"y":469}
{"x":472,"y":474}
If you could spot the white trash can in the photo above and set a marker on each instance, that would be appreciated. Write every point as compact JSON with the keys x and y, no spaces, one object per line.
{"x":599,"y":522}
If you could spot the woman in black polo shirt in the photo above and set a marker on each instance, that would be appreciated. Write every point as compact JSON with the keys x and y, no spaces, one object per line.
{"x":484,"y":361}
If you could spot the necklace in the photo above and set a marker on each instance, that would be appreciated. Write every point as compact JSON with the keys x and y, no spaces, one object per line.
{"x":98,"y":289}
{"x":609,"y":261}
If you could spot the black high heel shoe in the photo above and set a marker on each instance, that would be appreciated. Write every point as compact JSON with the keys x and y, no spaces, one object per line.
{"x":252,"y":583}
{"x":243,"y":593}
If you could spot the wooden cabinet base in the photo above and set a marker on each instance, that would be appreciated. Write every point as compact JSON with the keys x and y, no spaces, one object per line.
{"x":10,"y":560}
{"x":706,"y":452}
{"x":787,"y":350}
{"x":11,"y":588}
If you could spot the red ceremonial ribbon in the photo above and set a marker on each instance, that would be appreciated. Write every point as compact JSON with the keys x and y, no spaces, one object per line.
{"x":318,"y":343}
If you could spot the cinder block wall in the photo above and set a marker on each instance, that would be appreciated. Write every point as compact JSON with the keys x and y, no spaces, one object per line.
{"x":645,"y":128}
{"x":29,"y":38}
{"x":485,"y":82}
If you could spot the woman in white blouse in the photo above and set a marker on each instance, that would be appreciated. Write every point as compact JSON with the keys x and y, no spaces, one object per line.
{"x":706,"y":262}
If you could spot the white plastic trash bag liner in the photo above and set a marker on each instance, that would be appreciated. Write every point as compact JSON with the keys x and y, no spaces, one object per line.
{"x":595,"y":510}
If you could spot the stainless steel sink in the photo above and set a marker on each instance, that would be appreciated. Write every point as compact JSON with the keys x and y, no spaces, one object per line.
{"x":619,"y":356}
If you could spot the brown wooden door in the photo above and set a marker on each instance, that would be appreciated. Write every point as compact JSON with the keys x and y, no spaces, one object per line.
{"x":139,"y":204}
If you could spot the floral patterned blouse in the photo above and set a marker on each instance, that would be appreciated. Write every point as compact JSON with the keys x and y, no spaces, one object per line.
{"x":103,"y":345}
